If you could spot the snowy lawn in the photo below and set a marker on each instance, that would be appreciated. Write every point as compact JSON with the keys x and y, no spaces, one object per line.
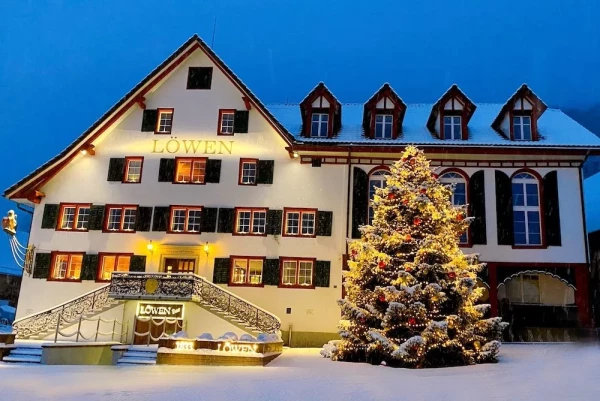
{"x":525,"y":372}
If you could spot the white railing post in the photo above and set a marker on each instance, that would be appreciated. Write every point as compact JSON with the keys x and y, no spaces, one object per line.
{"x":112,"y":335}
{"x":97,"y":330}
{"x":57,"y":326}
{"x":78,"y":328}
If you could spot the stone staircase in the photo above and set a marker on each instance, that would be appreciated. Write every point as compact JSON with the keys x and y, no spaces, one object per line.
{"x":139,"y":355}
{"x":29,"y":353}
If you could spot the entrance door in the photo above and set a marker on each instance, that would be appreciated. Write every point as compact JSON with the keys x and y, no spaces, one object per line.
{"x":180,"y":265}
{"x":150,"y":330}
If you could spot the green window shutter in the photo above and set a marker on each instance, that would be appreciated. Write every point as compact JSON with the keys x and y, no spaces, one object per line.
{"x":225,"y":221}
{"x":166,"y":170}
{"x":360,"y":200}
{"x":264,"y":171}
{"x":161,"y":218}
{"x":274,"y":219}
{"x":143,"y":218}
{"x":213,"y":171}
{"x":551,"y":209}
{"x":221,"y":271}
{"x":240,"y":121}
{"x":116,"y":169}
{"x":209,"y":219}
{"x":271,"y":272}
{"x":149,"y":120}
{"x":96,"y":221}
{"x":324,"y":221}
{"x":322,"y":273}
{"x":138,"y":263}
{"x":504,"y":209}
{"x":89,"y":270}
{"x":42,"y":265}
{"x":50,"y":216}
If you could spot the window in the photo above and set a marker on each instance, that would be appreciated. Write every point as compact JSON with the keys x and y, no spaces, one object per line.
{"x":376,"y":180}
{"x":164,"y":121}
{"x":133,"y":169}
{"x":526,"y":210}
{"x":300,"y":222}
{"x":185,"y":219}
{"x":190,"y":171}
{"x":226,"y":119}
{"x":297,"y":273}
{"x":66,"y":266}
{"x":531,"y":287}
{"x":452,"y":127}
{"x":199,"y":78}
{"x":459,"y":194}
{"x":120,"y":218}
{"x":246,"y":270}
{"x":320,"y":125}
{"x":110,"y":263}
{"x":251,"y":221}
{"x":74,"y":217}
{"x":383,"y":126}
{"x":522,"y":128}
{"x":248,"y":170}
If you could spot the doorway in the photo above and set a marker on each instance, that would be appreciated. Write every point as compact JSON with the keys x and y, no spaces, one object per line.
{"x":173,"y":265}
{"x":150,"y":330}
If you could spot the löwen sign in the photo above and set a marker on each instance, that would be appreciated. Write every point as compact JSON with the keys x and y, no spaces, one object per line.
{"x":192,"y":146}
{"x":171,"y":311}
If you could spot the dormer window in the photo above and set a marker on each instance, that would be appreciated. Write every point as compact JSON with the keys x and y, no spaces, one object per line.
{"x":383,"y":126}
{"x":522,"y":128}
{"x":452,"y":127}
{"x":320,"y":125}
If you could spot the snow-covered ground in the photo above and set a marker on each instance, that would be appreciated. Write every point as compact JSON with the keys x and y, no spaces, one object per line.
{"x":526,"y":372}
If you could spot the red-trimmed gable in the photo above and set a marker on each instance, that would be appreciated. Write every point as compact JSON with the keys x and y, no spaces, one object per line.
{"x":453,"y":103}
{"x":524,"y":102}
{"x":384,"y":102}
{"x":321,"y":101}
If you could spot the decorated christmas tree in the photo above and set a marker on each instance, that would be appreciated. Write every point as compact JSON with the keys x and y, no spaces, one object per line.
{"x":411,"y":292}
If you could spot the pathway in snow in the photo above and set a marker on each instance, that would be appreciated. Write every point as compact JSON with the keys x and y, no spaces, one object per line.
{"x":526,"y":372}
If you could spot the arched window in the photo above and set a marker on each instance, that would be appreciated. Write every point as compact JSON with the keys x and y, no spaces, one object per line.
{"x":459,"y":194}
{"x":532,"y":287}
{"x":376,"y":180}
{"x":526,"y":210}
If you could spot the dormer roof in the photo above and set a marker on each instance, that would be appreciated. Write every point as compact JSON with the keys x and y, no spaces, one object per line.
{"x":320,"y":98}
{"x":523,"y":99}
{"x":386,"y":100}
{"x":453,"y":98}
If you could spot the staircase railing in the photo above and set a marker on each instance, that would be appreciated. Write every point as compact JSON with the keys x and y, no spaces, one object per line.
{"x":46,"y":320}
{"x":186,"y":286}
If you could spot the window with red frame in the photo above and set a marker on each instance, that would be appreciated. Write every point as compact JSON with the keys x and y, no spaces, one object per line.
{"x":251,"y":221}
{"x":110,"y":263}
{"x":66,"y":266}
{"x":297,"y":272}
{"x":226,"y":121}
{"x":246,"y":270}
{"x":164,"y":122}
{"x":120,"y":218}
{"x":75,"y":217}
{"x":185,"y":219}
{"x":248,"y":170}
{"x":190,"y":171}
{"x":300,"y":223}
{"x":133,"y":169}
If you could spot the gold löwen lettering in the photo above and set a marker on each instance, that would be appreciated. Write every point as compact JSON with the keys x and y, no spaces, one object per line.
{"x":192,"y":146}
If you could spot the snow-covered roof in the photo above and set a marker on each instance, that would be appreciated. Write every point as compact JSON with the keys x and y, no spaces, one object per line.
{"x":591,"y":196}
{"x":556,"y":129}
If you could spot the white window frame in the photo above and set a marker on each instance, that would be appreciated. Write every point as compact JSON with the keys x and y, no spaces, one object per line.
{"x":452,"y":178}
{"x":247,"y":271}
{"x":323,"y":118}
{"x":297,"y":266}
{"x":67,"y":266}
{"x":455,"y":127}
{"x":310,"y":231}
{"x":187,"y":219}
{"x":522,"y":179}
{"x":248,"y":175}
{"x":80,"y":221}
{"x":255,"y":216}
{"x":167,"y":124}
{"x":196,"y":165}
{"x":226,"y":126}
{"x":519,"y":121}
{"x":125,"y":219}
{"x":135,"y":177}
{"x":375,"y":176}
{"x":387,"y":126}
{"x":118,"y":266}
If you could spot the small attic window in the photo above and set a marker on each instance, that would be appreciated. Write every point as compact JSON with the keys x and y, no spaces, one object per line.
{"x":319,"y":125}
{"x":522,"y":128}
{"x":199,"y":78}
{"x":452,"y":127}
{"x":383,"y":126}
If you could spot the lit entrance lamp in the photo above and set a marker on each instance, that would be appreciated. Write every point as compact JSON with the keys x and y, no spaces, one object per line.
{"x":206,"y":248}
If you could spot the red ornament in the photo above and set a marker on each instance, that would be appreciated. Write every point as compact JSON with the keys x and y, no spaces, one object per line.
{"x":354,"y":252}
{"x":460,"y":217}
{"x":408,"y":269}
{"x":451,"y":275}
{"x":417,"y":221}
{"x":412,"y":161}
{"x":412,"y":321}
{"x":391,"y":195}
{"x":435,"y":176}
{"x":382,"y":264}
{"x":381,"y":298}
{"x":405,"y":202}
{"x":362,"y":320}
{"x":423,"y":190}
{"x":403,"y":159}
{"x":407,"y":237}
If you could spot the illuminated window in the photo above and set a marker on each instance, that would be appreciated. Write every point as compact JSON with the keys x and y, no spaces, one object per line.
{"x":383,"y":126}
{"x":246,"y":270}
{"x":300,"y":222}
{"x":452,"y":127}
{"x":185,"y":219}
{"x":121,"y":218}
{"x":522,"y":128}
{"x":191,"y":171}
{"x":526,"y":210}
{"x":74,"y":217}
{"x":226,"y":120}
{"x":133,"y":169}
{"x":296,"y":272}
{"x":66,"y":266}
{"x":248,"y":171}
{"x":319,"y":126}
{"x":459,"y":194}
{"x":164,"y":121}
{"x":110,"y":263}
{"x":376,"y":180}
{"x":251,"y":221}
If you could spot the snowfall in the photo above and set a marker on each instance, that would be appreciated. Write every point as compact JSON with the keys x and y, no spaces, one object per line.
{"x":525,"y":372}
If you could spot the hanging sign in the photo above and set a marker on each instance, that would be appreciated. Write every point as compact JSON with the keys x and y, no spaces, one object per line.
{"x":171,"y":311}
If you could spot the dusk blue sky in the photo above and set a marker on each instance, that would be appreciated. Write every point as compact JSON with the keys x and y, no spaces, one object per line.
{"x":64,"y":63}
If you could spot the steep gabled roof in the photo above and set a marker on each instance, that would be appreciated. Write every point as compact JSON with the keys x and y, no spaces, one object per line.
{"x":41,"y":175}
{"x":539,"y":107}
{"x":319,"y":90}
{"x":453,"y":92}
